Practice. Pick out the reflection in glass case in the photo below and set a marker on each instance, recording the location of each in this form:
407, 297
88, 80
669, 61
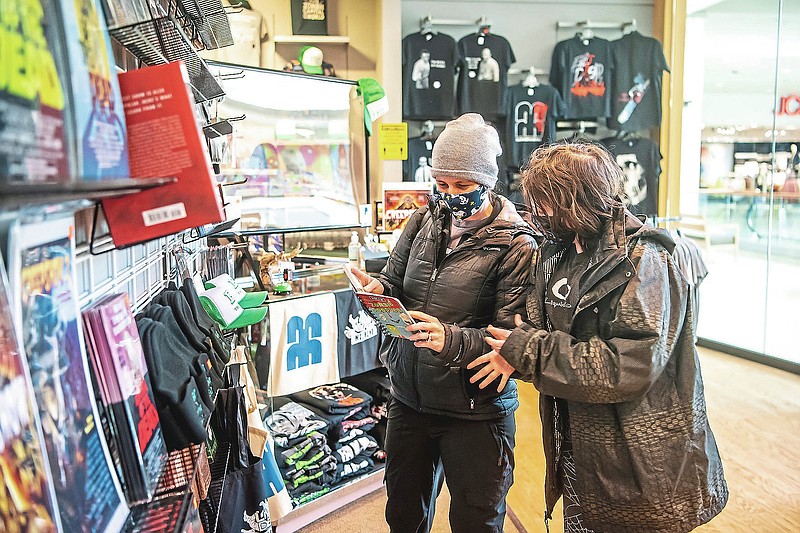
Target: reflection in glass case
301, 148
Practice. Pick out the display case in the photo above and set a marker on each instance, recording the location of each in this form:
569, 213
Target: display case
296, 158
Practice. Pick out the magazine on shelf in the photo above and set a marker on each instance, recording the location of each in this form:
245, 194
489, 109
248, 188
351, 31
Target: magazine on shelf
27, 499
101, 140
34, 137
164, 140
387, 311
121, 364
42, 271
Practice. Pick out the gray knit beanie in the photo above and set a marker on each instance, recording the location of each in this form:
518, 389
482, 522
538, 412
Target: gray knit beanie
467, 148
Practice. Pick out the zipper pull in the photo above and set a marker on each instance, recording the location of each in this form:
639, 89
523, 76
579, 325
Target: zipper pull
472, 403
433, 276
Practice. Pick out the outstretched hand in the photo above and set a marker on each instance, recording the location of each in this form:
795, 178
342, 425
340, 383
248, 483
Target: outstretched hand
495, 365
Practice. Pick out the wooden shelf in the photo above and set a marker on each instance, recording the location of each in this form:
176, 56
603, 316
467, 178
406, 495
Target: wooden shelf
311, 39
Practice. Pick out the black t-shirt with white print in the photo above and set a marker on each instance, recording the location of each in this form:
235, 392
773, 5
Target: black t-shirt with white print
418, 165
429, 69
563, 291
483, 74
636, 85
531, 114
640, 161
581, 70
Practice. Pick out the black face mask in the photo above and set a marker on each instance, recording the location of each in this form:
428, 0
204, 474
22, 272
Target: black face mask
543, 224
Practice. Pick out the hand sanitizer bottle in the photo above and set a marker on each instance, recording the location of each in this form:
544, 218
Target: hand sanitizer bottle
354, 249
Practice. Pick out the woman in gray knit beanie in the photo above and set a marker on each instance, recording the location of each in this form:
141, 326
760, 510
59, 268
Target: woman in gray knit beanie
462, 263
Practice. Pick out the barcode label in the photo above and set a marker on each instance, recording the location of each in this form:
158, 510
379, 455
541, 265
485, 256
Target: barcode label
160, 215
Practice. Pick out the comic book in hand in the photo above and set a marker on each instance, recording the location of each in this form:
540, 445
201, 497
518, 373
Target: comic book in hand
121, 360
42, 271
388, 312
164, 140
27, 500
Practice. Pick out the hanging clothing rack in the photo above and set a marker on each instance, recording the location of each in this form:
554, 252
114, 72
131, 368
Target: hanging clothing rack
596, 25
526, 70
428, 20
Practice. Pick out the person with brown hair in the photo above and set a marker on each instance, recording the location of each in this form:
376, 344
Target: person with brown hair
609, 344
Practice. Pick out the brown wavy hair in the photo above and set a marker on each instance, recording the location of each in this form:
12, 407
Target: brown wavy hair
580, 182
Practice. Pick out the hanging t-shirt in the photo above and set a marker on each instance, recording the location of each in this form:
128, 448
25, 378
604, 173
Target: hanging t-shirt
581, 70
636, 89
530, 120
249, 32
640, 161
429, 69
359, 336
418, 165
483, 74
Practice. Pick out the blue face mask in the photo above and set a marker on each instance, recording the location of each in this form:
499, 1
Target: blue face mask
464, 205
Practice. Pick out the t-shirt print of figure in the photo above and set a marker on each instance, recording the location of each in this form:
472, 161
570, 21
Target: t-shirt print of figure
587, 76
421, 72
488, 68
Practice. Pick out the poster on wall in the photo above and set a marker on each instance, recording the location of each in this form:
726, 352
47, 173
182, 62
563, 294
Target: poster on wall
26, 493
46, 311
400, 200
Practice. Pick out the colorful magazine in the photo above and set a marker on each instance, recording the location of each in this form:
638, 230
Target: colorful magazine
123, 363
33, 136
96, 101
27, 499
388, 312
88, 494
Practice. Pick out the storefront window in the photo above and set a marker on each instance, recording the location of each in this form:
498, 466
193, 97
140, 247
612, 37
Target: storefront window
740, 160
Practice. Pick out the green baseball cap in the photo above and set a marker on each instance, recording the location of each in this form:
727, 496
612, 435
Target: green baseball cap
376, 104
310, 58
245, 299
221, 305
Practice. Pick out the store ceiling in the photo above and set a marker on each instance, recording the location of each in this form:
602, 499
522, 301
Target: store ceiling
741, 42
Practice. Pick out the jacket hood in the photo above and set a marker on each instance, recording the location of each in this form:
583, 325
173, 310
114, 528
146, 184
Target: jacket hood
636, 228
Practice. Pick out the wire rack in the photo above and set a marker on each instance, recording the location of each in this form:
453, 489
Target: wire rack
210, 21
160, 40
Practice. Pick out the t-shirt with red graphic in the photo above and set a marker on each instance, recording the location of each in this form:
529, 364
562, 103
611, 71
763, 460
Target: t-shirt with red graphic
531, 114
483, 74
636, 86
581, 70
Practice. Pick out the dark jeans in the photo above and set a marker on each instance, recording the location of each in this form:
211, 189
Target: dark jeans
478, 461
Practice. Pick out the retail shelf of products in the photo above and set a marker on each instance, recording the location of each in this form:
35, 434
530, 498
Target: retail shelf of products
17, 195
312, 39
161, 40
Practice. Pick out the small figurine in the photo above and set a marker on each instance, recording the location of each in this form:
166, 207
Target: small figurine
277, 269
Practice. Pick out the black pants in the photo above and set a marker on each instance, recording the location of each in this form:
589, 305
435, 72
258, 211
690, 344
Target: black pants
477, 457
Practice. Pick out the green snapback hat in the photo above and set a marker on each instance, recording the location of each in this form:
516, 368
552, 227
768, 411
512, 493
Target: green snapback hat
310, 58
221, 305
245, 299
376, 104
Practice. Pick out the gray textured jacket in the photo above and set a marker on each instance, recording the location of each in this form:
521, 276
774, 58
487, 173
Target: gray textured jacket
483, 281
628, 375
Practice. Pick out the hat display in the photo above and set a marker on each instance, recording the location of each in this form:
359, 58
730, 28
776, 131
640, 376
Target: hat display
376, 104
310, 58
222, 305
245, 299
468, 148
